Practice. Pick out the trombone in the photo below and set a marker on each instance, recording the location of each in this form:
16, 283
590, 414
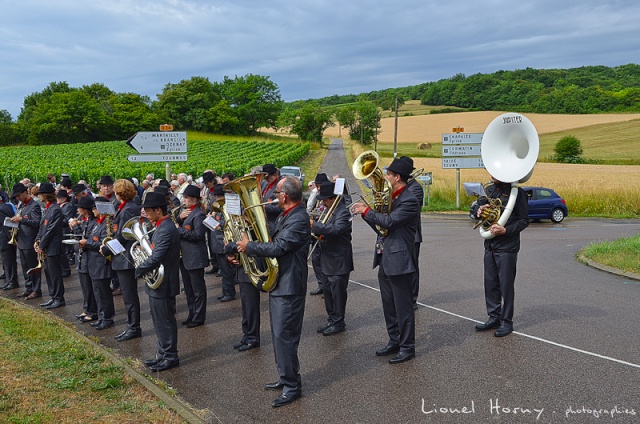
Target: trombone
324, 217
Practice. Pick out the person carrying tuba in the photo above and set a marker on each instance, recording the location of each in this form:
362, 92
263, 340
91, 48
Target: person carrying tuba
396, 261
162, 300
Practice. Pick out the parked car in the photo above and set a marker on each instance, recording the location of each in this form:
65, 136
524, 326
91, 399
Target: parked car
544, 203
294, 171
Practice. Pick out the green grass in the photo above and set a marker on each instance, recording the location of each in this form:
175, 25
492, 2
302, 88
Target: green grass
622, 253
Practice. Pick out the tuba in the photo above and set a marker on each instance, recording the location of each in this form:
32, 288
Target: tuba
141, 250
509, 149
253, 222
366, 167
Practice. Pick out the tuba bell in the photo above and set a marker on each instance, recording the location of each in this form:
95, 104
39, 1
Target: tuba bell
141, 250
366, 167
253, 222
509, 149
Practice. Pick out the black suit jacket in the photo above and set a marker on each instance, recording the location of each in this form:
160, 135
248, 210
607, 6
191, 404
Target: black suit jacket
128, 211
99, 266
6, 211
50, 233
31, 214
290, 246
336, 256
418, 192
193, 236
402, 222
166, 251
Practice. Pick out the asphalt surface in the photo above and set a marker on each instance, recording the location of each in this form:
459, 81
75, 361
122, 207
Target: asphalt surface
574, 355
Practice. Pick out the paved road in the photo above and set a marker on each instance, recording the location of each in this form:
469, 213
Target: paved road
575, 352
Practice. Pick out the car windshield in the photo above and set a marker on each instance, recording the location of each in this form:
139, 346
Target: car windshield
290, 171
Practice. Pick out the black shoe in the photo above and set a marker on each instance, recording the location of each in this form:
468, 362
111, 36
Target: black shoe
323, 327
128, 335
285, 399
316, 291
104, 325
96, 324
2, 277
504, 330
47, 303
194, 324
212, 270
332, 330
248, 346
66, 274
274, 386
493, 322
227, 298
237, 345
151, 362
164, 365
55, 304
187, 321
388, 350
401, 357
11, 287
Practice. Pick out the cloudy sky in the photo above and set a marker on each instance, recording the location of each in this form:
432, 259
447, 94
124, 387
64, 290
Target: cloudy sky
310, 49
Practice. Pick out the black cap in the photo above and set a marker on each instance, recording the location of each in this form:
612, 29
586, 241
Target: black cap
192, 191
269, 169
106, 180
86, 202
326, 190
321, 178
154, 200
46, 188
401, 167
17, 189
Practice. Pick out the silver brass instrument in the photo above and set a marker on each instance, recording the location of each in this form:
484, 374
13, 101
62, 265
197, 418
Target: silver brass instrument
252, 222
141, 250
366, 167
324, 217
509, 149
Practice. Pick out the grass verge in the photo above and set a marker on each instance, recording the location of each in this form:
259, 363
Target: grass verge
621, 253
48, 373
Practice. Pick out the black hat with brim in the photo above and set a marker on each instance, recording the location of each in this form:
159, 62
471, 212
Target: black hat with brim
17, 189
218, 190
269, 169
46, 188
154, 200
326, 190
321, 178
192, 191
86, 202
62, 194
401, 167
208, 177
106, 180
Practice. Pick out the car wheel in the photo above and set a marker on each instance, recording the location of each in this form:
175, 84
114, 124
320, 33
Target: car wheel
557, 215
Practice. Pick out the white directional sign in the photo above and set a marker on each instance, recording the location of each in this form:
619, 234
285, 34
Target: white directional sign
159, 142
462, 138
460, 163
461, 150
158, 158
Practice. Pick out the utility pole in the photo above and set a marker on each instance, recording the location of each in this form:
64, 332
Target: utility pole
395, 132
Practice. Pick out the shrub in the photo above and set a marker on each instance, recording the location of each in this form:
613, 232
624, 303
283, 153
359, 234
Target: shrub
568, 150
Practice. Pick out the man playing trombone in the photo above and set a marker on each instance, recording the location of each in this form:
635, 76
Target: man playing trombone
394, 255
336, 256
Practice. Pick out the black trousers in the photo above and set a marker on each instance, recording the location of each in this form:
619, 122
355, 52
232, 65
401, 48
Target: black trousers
499, 284
104, 299
415, 277
317, 269
250, 300
228, 280
28, 260
286, 314
129, 288
163, 315
88, 297
9, 260
53, 274
335, 298
397, 305
196, 292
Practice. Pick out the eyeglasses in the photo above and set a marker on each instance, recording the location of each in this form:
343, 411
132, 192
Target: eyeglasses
278, 192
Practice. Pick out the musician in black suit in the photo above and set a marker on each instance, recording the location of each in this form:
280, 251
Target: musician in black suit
315, 255
290, 246
217, 247
8, 251
87, 222
416, 189
162, 300
49, 243
250, 302
122, 264
336, 257
69, 212
194, 257
395, 258
209, 181
268, 188
28, 219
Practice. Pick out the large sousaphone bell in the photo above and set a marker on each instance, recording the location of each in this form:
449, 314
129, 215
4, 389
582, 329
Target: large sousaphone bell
510, 148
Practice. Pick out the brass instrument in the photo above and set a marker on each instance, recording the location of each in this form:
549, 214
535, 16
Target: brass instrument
109, 237
324, 217
366, 167
141, 250
175, 214
38, 268
14, 231
253, 222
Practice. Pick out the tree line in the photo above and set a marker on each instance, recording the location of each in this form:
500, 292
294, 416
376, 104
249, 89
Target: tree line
243, 105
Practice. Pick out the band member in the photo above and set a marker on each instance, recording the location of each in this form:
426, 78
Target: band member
290, 246
88, 221
209, 181
268, 191
395, 258
194, 257
162, 300
315, 255
336, 257
250, 302
123, 264
217, 247
501, 257
68, 213
28, 220
107, 189
100, 270
416, 189
49, 244
8, 251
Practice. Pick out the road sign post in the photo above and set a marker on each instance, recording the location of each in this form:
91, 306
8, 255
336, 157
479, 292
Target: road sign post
165, 145
461, 150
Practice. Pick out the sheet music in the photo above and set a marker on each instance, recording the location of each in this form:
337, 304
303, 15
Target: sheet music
474, 189
211, 223
116, 247
232, 204
339, 188
8, 223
